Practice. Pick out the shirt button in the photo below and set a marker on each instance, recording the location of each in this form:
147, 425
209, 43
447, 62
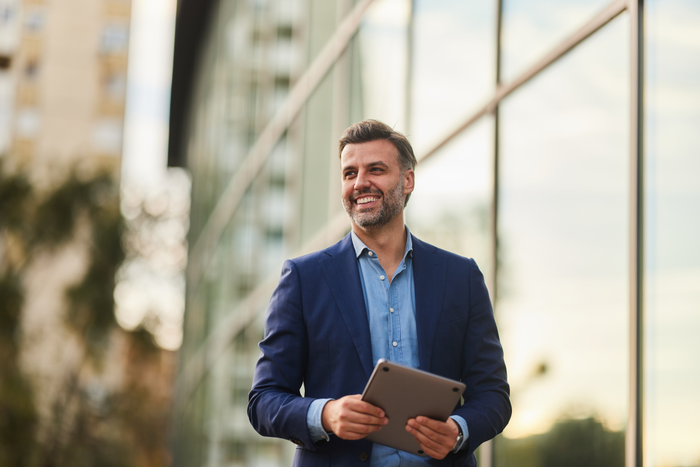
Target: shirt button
391, 309
381, 277
394, 344
370, 253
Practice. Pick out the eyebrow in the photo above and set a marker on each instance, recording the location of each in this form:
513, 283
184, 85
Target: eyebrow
371, 164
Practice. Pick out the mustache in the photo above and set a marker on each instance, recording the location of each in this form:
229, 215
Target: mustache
367, 191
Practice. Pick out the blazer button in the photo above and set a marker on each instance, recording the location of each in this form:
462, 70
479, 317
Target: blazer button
363, 456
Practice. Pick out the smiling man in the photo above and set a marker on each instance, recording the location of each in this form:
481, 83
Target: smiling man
378, 293
368, 201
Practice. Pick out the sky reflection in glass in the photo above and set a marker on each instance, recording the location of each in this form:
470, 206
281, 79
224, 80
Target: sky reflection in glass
453, 66
533, 27
672, 298
383, 41
563, 277
450, 205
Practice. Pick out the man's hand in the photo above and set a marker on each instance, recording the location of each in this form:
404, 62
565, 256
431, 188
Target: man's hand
436, 438
351, 418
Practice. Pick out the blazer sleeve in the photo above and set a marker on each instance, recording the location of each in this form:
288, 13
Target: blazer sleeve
487, 407
275, 405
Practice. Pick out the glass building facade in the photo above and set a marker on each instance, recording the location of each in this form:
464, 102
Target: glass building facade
558, 146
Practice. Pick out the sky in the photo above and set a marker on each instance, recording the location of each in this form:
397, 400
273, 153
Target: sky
150, 287
148, 91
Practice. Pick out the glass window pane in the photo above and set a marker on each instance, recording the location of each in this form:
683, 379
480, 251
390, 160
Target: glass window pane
383, 53
315, 170
453, 69
533, 27
562, 300
452, 200
672, 261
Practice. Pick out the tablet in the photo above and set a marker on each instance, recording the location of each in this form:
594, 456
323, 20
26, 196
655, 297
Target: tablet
404, 392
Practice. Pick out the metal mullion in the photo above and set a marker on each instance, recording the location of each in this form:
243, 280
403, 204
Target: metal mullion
488, 449
634, 433
601, 19
410, 48
496, 160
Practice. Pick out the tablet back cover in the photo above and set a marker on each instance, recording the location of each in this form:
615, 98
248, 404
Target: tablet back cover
404, 392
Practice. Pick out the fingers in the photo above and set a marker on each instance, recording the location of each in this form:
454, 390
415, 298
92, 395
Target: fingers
436, 438
359, 405
351, 418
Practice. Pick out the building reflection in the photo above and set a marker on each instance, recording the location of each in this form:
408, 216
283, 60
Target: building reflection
522, 117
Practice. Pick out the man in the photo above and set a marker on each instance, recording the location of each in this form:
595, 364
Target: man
378, 293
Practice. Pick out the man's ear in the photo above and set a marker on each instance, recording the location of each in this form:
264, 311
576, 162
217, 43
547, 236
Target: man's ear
409, 180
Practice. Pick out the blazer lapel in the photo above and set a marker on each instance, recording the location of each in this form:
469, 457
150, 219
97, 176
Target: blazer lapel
429, 278
343, 277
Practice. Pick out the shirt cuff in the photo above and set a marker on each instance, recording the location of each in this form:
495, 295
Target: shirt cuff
313, 420
465, 430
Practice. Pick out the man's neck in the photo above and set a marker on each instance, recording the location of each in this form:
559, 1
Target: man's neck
388, 242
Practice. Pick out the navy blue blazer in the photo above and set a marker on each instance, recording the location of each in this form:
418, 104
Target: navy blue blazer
317, 334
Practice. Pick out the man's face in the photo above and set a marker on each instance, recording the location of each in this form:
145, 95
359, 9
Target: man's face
374, 184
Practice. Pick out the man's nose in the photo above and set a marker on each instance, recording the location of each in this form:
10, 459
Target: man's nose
361, 181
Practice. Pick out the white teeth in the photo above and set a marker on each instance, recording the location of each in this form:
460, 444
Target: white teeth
366, 200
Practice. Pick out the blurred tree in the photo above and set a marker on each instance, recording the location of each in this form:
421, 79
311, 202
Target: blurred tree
93, 422
583, 442
571, 442
18, 417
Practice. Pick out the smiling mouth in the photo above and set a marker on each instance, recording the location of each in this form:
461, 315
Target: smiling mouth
366, 200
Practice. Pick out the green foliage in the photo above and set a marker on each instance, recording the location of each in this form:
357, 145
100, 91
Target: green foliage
95, 439
584, 442
58, 213
18, 417
91, 302
15, 196
10, 309
17, 413
571, 442
84, 429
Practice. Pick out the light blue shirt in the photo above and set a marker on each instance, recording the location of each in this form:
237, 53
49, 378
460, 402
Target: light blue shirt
391, 312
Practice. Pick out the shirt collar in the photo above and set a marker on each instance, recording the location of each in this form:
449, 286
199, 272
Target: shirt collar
360, 246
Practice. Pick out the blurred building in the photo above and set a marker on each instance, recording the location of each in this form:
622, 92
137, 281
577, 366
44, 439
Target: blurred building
63, 80
557, 145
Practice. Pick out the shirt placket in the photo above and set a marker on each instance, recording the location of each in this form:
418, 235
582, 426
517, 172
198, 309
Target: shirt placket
386, 286
395, 316
395, 324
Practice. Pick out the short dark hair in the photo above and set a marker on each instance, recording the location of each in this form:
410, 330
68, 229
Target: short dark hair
373, 130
